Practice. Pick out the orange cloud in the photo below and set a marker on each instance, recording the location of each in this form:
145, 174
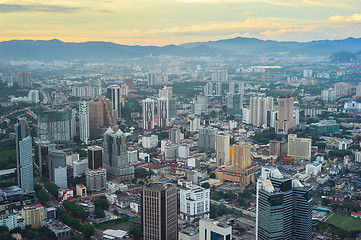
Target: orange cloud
353, 18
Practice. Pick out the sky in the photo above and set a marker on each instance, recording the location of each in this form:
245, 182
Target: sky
162, 22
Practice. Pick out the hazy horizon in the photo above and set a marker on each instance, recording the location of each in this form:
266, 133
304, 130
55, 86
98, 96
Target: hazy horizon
161, 22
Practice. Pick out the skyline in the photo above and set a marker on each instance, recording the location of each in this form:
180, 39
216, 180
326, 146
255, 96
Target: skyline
160, 22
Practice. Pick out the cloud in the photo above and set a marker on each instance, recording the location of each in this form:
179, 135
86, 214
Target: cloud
346, 4
353, 18
9, 8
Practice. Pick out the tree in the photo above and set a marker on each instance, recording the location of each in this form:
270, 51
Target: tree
212, 175
87, 230
99, 213
206, 185
101, 203
136, 232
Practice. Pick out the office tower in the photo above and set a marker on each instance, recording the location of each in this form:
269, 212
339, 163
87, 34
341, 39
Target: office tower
23, 79
328, 95
234, 103
175, 135
41, 152
24, 157
95, 157
163, 112
207, 139
79, 167
84, 121
275, 148
285, 122
194, 201
258, 110
159, 208
195, 124
241, 155
33, 215
208, 89
220, 76
222, 149
172, 107
115, 159
271, 118
57, 166
203, 101
307, 73
218, 89
57, 125
114, 95
130, 83
166, 92
148, 114
284, 207
100, 115
299, 148
34, 96
232, 87
211, 229
358, 90
342, 89
96, 179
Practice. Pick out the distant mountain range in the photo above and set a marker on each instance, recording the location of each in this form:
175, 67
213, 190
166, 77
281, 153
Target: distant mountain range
102, 51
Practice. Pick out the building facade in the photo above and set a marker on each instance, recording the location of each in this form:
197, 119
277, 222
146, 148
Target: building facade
84, 122
148, 114
286, 121
163, 112
96, 179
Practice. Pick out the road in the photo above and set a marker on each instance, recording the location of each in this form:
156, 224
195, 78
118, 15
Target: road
245, 212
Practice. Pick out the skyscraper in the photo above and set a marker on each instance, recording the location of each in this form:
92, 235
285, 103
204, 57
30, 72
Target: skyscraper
258, 110
148, 114
207, 139
115, 156
84, 121
222, 149
241, 155
114, 95
166, 92
24, 79
95, 157
100, 115
57, 166
342, 89
284, 207
160, 217
57, 125
24, 156
285, 120
163, 112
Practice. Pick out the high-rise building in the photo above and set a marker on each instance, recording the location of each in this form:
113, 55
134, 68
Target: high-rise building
234, 103
241, 156
194, 201
148, 114
24, 156
172, 107
100, 115
328, 95
208, 89
41, 155
95, 157
115, 159
285, 119
96, 179
130, 83
33, 215
160, 217
207, 139
114, 95
163, 112
57, 166
358, 90
175, 135
84, 122
195, 124
57, 125
232, 87
299, 148
24, 79
342, 89
220, 76
213, 89
166, 92
211, 229
34, 96
258, 110
222, 149
284, 207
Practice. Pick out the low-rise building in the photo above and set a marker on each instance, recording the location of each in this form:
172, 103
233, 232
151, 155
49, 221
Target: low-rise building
58, 228
12, 220
210, 229
314, 168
